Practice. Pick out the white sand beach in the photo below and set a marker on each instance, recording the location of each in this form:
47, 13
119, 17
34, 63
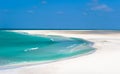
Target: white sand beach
106, 59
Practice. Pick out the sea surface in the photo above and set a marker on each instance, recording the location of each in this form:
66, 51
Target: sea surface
19, 47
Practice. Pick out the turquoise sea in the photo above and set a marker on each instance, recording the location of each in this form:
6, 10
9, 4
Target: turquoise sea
16, 47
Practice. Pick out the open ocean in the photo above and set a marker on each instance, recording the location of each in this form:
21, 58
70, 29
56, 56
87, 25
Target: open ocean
17, 48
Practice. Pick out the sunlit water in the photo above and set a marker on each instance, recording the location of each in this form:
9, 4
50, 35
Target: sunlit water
16, 48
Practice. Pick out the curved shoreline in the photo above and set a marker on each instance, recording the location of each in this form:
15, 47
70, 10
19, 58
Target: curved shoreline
103, 61
87, 44
15, 66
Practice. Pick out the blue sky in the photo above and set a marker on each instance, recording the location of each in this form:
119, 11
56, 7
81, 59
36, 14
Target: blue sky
60, 14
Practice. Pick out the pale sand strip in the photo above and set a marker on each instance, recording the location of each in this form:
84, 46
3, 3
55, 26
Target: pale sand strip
104, 61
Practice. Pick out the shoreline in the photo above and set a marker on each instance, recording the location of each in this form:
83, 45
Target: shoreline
103, 61
21, 65
26, 64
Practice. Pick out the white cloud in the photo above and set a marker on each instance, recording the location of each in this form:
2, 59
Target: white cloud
96, 6
102, 7
44, 2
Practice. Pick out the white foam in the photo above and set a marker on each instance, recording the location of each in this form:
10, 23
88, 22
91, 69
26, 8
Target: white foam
32, 49
71, 46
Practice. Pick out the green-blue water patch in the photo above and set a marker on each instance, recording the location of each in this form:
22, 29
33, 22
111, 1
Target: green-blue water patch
16, 48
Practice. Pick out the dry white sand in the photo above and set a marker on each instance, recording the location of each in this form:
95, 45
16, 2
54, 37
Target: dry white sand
106, 60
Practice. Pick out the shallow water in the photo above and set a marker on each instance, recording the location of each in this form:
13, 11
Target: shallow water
17, 48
